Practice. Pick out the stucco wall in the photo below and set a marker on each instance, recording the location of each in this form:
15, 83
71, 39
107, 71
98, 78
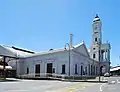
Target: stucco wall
58, 59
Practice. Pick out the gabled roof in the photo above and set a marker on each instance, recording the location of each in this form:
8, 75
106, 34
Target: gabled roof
85, 48
60, 50
47, 52
25, 53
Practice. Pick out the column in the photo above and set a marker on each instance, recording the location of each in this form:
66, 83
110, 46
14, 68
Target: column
105, 57
108, 55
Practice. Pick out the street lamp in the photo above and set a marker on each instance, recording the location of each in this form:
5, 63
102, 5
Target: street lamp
69, 55
99, 48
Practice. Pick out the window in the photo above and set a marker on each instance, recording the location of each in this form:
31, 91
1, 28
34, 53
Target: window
96, 32
53, 70
27, 70
81, 70
75, 68
95, 39
93, 48
85, 70
89, 68
63, 69
93, 55
96, 70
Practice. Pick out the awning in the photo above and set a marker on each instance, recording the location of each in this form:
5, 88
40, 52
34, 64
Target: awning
6, 67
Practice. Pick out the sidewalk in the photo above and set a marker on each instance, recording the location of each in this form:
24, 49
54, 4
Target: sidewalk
96, 80
9, 80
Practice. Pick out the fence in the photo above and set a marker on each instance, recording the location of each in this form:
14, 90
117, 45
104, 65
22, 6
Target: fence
54, 76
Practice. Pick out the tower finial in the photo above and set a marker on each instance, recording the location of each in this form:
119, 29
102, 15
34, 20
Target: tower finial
96, 16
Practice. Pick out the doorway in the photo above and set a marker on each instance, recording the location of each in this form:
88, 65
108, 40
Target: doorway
37, 70
49, 69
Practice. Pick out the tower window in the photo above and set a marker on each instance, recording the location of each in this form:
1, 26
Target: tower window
93, 48
96, 39
93, 55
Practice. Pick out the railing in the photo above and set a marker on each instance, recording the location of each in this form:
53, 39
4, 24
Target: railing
55, 76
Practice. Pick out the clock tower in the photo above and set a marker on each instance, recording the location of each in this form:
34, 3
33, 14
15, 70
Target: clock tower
97, 46
96, 38
97, 35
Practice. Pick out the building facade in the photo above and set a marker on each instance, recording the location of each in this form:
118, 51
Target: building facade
75, 60
58, 62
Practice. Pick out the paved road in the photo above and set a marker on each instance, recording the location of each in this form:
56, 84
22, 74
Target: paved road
42, 86
113, 85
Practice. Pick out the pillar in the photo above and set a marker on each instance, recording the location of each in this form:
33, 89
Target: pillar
4, 64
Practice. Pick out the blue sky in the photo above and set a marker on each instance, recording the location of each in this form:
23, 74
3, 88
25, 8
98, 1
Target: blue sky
43, 24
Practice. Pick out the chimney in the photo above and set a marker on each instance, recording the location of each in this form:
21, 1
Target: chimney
71, 35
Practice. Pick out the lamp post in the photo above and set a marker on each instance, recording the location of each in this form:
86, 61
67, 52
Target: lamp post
69, 56
99, 49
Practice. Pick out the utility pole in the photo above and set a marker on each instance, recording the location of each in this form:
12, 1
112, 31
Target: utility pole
69, 56
99, 48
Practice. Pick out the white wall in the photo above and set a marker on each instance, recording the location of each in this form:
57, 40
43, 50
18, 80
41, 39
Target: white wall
82, 60
58, 59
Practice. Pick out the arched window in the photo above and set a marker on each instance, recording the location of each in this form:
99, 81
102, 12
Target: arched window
89, 68
27, 70
63, 69
76, 69
94, 55
96, 70
86, 70
81, 70
95, 39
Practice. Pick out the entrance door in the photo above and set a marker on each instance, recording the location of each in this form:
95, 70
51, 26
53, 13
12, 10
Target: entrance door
49, 68
37, 70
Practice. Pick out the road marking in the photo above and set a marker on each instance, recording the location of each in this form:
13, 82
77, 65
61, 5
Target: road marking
17, 90
102, 86
75, 87
118, 81
113, 82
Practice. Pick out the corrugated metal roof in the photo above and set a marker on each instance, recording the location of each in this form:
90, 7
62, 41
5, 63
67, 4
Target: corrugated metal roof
55, 50
19, 53
115, 69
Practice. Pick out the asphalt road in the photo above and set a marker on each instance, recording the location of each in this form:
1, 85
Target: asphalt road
42, 86
113, 85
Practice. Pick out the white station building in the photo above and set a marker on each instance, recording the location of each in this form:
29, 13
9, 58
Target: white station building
70, 60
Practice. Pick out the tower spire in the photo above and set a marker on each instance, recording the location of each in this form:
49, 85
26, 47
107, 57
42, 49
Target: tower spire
96, 16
